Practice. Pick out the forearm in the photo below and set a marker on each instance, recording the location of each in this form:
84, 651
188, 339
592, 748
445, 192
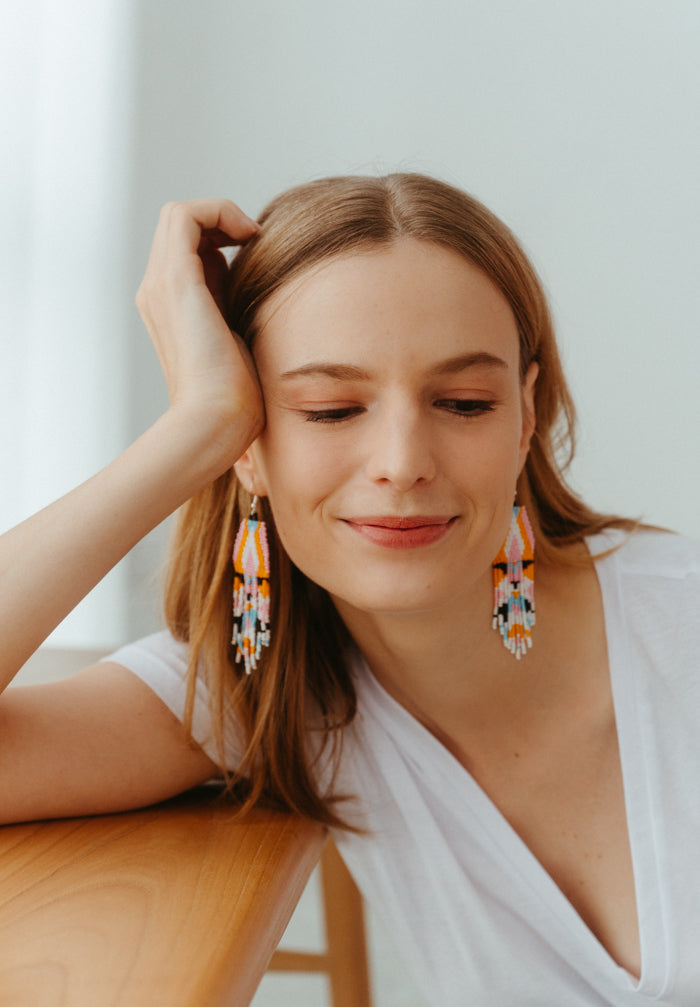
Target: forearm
52, 560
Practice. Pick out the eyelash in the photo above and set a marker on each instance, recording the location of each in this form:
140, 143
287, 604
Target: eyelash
468, 407
465, 408
331, 415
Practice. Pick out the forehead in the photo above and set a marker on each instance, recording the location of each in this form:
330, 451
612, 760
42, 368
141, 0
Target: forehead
411, 301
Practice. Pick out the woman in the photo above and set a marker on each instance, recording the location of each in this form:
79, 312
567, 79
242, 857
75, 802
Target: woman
525, 825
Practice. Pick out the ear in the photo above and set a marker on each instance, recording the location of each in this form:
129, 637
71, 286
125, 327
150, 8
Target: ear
248, 473
527, 399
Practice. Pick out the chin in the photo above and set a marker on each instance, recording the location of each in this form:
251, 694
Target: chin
399, 602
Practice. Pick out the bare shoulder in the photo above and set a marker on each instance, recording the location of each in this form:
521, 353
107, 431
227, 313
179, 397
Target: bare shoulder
97, 742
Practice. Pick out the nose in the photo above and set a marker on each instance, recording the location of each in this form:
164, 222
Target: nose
400, 451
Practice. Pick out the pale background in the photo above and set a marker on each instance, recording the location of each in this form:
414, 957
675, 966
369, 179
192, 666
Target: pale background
575, 120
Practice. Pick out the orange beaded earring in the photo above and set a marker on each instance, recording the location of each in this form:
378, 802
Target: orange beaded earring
251, 590
514, 585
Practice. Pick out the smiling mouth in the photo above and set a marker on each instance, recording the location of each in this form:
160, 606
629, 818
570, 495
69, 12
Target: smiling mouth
402, 532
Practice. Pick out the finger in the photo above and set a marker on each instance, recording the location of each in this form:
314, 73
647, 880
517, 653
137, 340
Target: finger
219, 239
187, 221
181, 229
215, 273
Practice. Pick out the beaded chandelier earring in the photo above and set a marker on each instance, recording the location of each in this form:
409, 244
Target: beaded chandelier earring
514, 585
251, 590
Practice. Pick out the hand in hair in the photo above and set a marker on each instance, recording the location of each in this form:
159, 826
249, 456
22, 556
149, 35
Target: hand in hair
52, 560
208, 370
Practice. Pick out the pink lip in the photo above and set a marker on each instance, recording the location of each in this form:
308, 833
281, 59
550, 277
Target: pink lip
402, 532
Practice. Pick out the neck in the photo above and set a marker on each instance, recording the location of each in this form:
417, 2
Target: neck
432, 660
450, 665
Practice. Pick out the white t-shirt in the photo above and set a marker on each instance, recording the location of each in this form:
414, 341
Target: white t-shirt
479, 919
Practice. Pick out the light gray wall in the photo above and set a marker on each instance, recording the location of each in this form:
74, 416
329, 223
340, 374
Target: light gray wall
576, 122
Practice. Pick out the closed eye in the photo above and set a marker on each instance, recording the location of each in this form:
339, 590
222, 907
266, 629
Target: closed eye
466, 407
331, 415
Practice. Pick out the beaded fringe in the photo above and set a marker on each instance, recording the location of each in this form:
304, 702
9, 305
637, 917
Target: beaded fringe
251, 593
514, 585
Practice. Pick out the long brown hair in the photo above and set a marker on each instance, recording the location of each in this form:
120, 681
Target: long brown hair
301, 695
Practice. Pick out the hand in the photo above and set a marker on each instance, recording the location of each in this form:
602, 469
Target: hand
208, 370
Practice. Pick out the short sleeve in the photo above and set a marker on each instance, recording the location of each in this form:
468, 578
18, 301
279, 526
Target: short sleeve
160, 661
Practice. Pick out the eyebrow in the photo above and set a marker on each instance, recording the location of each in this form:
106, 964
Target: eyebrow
348, 372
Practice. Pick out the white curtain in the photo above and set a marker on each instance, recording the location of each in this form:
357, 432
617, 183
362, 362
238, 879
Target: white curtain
65, 69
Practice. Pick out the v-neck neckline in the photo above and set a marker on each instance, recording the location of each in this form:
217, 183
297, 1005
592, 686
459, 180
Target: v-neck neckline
520, 859
636, 781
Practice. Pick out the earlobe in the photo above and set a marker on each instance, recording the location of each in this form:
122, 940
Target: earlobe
246, 471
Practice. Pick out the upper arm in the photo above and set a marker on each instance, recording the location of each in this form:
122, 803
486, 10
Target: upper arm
97, 742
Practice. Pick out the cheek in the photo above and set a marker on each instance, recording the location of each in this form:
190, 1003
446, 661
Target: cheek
300, 470
489, 458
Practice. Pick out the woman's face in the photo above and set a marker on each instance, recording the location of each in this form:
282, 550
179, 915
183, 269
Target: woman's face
396, 428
